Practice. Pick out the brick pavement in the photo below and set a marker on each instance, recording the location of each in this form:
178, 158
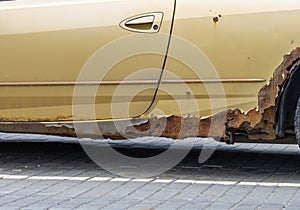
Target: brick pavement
61, 176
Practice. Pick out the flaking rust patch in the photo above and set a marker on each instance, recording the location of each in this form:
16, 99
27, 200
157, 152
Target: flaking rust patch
258, 123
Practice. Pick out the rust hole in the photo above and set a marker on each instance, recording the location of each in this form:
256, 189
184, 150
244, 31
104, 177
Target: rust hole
216, 19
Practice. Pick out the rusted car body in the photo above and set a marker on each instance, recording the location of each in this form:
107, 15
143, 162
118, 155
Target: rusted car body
251, 45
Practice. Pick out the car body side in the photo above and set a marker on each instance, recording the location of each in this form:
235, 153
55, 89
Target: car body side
244, 42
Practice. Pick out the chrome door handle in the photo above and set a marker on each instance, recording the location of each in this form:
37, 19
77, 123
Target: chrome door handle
144, 23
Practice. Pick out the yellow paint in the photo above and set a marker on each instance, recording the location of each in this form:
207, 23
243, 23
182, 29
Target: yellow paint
50, 40
249, 41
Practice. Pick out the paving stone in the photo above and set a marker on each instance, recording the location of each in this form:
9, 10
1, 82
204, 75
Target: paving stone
239, 163
23, 202
256, 197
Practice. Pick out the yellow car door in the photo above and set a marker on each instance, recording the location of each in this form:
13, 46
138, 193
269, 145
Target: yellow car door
45, 45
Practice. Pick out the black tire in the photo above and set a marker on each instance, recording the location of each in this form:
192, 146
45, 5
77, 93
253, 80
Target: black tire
297, 122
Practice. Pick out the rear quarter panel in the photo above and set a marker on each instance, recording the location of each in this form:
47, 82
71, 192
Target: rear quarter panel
244, 40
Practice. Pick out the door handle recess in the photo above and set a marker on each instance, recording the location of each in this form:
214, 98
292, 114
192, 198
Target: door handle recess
144, 23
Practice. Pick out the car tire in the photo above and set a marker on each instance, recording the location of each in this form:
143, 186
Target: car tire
297, 122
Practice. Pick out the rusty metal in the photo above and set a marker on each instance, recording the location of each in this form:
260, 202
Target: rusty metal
256, 125
216, 19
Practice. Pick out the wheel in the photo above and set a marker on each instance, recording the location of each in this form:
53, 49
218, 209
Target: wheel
297, 122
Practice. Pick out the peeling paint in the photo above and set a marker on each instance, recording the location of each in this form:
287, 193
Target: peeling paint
60, 126
257, 124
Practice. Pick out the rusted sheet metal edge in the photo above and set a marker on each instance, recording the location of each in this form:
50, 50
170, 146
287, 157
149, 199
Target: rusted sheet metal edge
257, 124
66, 130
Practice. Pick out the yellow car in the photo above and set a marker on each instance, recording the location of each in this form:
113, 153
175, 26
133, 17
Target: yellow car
173, 68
